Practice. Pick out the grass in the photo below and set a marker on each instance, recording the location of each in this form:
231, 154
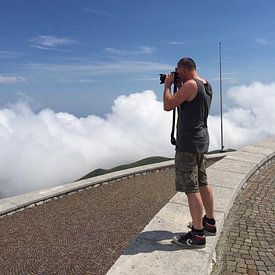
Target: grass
150, 160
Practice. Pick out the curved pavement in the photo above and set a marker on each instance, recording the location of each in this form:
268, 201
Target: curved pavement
247, 241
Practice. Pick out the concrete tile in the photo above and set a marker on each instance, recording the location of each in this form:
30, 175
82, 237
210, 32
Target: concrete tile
236, 166
179, 198
171, 220
258, 159
225, 179
223, 199
257, 149
145, 257
6, 207
25, 199
52, 191
218, 155
268, 143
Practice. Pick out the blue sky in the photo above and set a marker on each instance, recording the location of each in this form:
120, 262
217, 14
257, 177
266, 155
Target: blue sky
75, 75
78, 56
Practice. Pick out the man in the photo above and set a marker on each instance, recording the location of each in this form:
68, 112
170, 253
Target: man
193, 100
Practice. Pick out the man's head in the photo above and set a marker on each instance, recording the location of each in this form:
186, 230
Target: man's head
186, 68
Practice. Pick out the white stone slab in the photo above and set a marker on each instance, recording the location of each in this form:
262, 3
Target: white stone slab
257, 149
223, 199
258, 159
25, 199
52, 191
225, 179
171, 220
179, 198
235, 166
153, 253
268, 143
6, 207
155, 258
218, 155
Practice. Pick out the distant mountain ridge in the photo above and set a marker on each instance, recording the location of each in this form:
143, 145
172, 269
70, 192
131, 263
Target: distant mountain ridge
101, 171
149, 160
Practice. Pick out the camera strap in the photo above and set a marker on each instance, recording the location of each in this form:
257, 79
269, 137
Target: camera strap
172, 136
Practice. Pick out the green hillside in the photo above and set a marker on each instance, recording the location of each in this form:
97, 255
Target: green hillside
145, 161
150, 160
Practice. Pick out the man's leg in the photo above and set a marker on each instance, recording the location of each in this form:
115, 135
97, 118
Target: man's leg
187, 181
207, 200
205, 190
187, 174
196, 209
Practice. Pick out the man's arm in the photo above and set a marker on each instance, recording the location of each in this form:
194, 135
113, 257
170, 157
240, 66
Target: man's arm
188, 91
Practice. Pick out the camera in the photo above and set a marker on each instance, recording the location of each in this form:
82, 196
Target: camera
176, 77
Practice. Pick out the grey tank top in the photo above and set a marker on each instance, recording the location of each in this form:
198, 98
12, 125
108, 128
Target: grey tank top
192, 132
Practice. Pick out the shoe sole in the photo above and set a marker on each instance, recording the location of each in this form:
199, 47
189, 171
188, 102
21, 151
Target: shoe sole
193, 246
209, 234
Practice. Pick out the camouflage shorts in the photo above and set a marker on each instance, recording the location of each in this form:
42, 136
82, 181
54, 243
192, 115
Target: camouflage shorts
190, 172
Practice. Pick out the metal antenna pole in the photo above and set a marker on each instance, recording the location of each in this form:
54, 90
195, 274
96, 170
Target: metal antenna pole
220, 50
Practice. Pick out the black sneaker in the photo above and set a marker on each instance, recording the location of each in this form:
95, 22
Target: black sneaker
190, 240
209, 229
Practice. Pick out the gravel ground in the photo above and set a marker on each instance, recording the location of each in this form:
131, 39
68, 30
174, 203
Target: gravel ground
83, 233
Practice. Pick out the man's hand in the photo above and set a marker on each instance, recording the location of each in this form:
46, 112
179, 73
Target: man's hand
169, 80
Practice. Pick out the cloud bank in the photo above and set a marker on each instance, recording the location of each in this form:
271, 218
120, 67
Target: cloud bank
249, 117
48, 148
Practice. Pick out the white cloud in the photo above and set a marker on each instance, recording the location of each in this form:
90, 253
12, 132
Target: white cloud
63, 80
250, 118
176, 43
51, 42
139, 50
262, 41
11, 79
231, 78
99, 68
97, 12
48, 148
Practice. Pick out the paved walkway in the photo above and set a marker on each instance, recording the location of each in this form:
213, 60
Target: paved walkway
83, 233
247, 242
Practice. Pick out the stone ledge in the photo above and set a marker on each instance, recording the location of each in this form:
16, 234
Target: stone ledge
11, 204
14, 203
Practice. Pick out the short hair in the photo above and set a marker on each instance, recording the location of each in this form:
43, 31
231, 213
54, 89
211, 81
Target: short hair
188, 63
